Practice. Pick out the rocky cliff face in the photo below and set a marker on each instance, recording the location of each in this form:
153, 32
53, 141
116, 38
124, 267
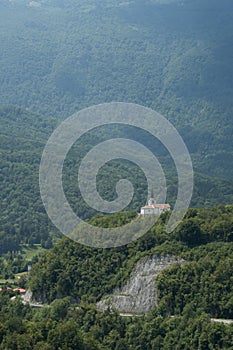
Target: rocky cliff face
139, 294
28, 296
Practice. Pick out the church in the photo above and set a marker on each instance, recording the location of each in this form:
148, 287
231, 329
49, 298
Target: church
154, 208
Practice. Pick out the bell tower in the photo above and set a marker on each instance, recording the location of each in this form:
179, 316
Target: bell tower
152, 201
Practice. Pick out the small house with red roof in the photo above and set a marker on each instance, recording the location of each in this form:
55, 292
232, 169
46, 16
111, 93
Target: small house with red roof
20, 290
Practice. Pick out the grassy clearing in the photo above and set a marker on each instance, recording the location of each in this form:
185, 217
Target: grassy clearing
6, 281
31, 252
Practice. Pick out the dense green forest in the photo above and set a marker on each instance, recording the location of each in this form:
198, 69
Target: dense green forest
23, 219
57, 57
70, 269
73, 277
173, 56
63, 327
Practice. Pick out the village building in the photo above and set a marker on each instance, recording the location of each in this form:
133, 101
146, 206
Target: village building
154, 208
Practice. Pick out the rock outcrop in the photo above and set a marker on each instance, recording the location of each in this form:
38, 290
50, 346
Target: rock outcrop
28, 296
139, 294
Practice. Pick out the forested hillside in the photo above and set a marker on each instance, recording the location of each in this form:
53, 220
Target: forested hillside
58, 57
190, 294
64, 327
174, 56
22, 139
204, 239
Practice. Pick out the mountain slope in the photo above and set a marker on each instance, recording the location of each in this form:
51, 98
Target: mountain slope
203, 243
23, 219
22, 139
174, 56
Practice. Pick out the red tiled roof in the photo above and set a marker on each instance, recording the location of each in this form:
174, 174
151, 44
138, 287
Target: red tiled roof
155, 206
21, 290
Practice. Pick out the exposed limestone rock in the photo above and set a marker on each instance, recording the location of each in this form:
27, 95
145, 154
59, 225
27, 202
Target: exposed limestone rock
139, 294
28, 296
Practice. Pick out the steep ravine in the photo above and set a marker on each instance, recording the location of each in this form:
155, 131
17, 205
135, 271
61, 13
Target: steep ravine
139, 294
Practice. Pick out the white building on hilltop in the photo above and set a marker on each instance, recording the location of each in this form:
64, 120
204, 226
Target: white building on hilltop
154, 208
